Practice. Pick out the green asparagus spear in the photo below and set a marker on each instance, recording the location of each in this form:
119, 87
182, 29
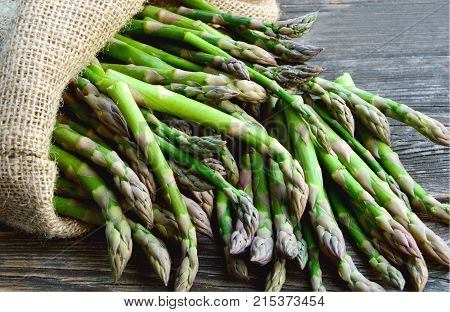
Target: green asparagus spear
388, 272
290, 76
313, 259
125, 179
71, 189
78, 127
205, 199
198, 217
166, 224
206, 93
420, 199
188, 179
429, 127
277, 276
73, 208
302, 256
418, 272
117, 230
121, 94
236, 267
236, 48
261, 249
331, 240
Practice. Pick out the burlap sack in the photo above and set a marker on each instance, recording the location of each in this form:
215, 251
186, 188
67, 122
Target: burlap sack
47, 43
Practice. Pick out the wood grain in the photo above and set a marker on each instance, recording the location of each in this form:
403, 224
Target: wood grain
396, 48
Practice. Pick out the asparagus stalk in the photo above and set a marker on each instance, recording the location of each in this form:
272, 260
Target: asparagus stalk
103, 107
73, 208
167, 58
313, 259
236, 267
117, 230
394, 233
331, 240
334, 104
200, 4
429, 127
292, 28
204, 146
205, 199
71, 189
361, 150
236, 48
155, 250
261, 250
231, 66
166, 224
124, 146
230, 165
286, 242
125, 179
290, 76
418, 272
429, 242
302, 256
277, 276
198, 217
367, 114
81, 129
420, 199
206, 93
121, 94
287, 50
240, 238
160, 99
247, 91
388, 272
188, 179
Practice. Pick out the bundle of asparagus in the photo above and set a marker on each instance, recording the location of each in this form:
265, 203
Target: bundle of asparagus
162, 181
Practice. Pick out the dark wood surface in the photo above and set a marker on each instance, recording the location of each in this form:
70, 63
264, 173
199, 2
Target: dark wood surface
396, 48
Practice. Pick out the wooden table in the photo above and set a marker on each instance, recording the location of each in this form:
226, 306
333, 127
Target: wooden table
397, 48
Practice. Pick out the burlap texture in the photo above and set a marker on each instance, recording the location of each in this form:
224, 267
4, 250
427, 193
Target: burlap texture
266, 10
46, 44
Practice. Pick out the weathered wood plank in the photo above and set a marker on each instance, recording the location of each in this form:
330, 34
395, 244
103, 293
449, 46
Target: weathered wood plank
357, 35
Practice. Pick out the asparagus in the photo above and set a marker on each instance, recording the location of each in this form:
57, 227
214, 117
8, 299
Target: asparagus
236, 267
388, 272
165, 223
387, 252
240, 238
286, 243
292, 28
418, 272
287, 50
261, 250
420, 199
367, 114
231, 66
429, 127
331, 240
313, 259
236, 48
247, 91
361, 150
121, 94
154, 249
160, 99
125, 179
127, 148
394, 233
429, 242
355, 280
200, 4
302, 256
237, 112
208, 93
205, 199
166, 58
71, 189
203, 146
230, 165
73, 208
90, 133
188, 179
103, 107
276, 277
117, 230
334, 104
290, 76
198, 217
